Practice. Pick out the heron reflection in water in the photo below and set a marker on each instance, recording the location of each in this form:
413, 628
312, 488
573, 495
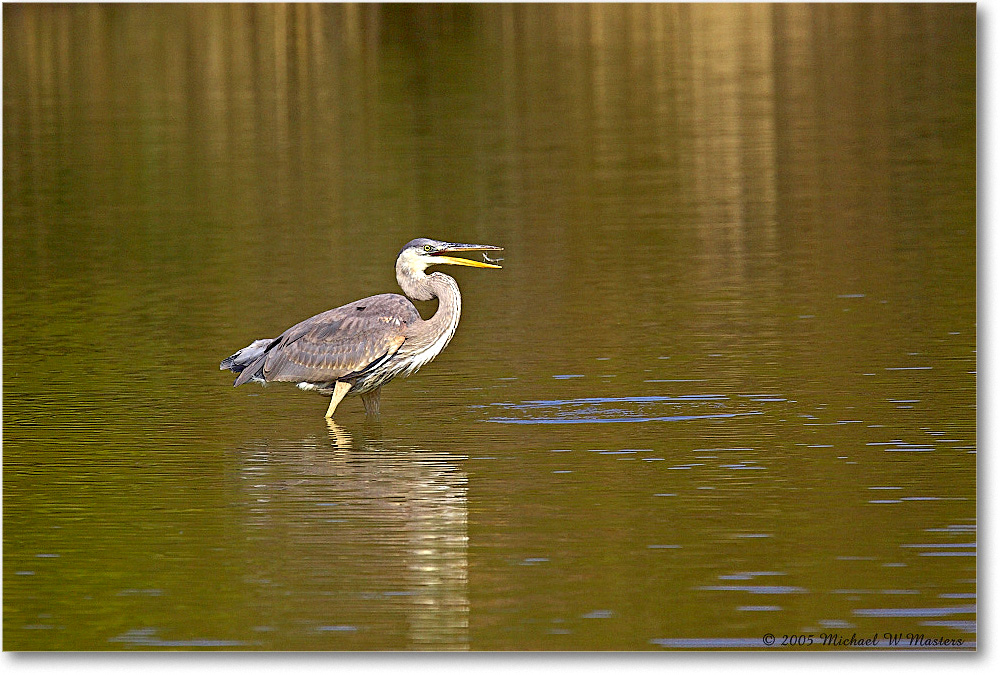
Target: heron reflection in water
357, 348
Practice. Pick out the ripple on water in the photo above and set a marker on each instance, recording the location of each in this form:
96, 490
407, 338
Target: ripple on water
747, 576
596, 410
708, 643
894, 612
964, 626
147, 637
757, 590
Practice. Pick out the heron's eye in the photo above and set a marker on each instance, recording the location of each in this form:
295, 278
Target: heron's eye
428, 248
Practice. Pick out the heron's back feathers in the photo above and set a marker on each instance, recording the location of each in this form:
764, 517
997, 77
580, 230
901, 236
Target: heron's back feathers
337, 344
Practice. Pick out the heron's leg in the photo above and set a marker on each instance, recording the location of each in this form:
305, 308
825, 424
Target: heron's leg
371, 401
341, 439
339, 392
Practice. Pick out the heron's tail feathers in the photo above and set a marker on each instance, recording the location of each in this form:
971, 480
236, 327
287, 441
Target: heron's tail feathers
244, 357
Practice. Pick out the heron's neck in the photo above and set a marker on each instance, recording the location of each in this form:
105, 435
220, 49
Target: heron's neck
431, 336
420, 286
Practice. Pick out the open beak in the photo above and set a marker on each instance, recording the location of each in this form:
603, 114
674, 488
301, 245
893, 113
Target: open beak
441, 258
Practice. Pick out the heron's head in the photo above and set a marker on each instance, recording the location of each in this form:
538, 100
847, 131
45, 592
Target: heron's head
420, 254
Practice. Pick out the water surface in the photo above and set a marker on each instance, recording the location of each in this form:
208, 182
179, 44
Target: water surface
725, 384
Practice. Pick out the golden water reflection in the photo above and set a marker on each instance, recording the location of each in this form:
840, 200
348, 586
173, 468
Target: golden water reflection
379, 532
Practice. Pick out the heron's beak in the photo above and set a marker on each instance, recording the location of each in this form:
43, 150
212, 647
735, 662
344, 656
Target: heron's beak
440, 258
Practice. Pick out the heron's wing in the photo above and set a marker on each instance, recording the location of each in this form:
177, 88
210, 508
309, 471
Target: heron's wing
341, 341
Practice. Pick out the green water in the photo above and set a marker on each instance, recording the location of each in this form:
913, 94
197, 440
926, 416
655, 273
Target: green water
724, 386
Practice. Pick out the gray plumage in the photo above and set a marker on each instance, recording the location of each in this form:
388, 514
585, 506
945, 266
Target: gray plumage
241, 359
366, 343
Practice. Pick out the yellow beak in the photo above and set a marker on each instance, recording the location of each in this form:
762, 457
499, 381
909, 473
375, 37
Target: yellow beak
448, 260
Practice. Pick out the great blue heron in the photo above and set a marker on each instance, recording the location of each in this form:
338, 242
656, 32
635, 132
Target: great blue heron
356, 348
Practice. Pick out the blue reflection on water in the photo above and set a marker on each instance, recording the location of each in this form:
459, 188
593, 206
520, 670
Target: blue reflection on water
597, 410
146, 637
